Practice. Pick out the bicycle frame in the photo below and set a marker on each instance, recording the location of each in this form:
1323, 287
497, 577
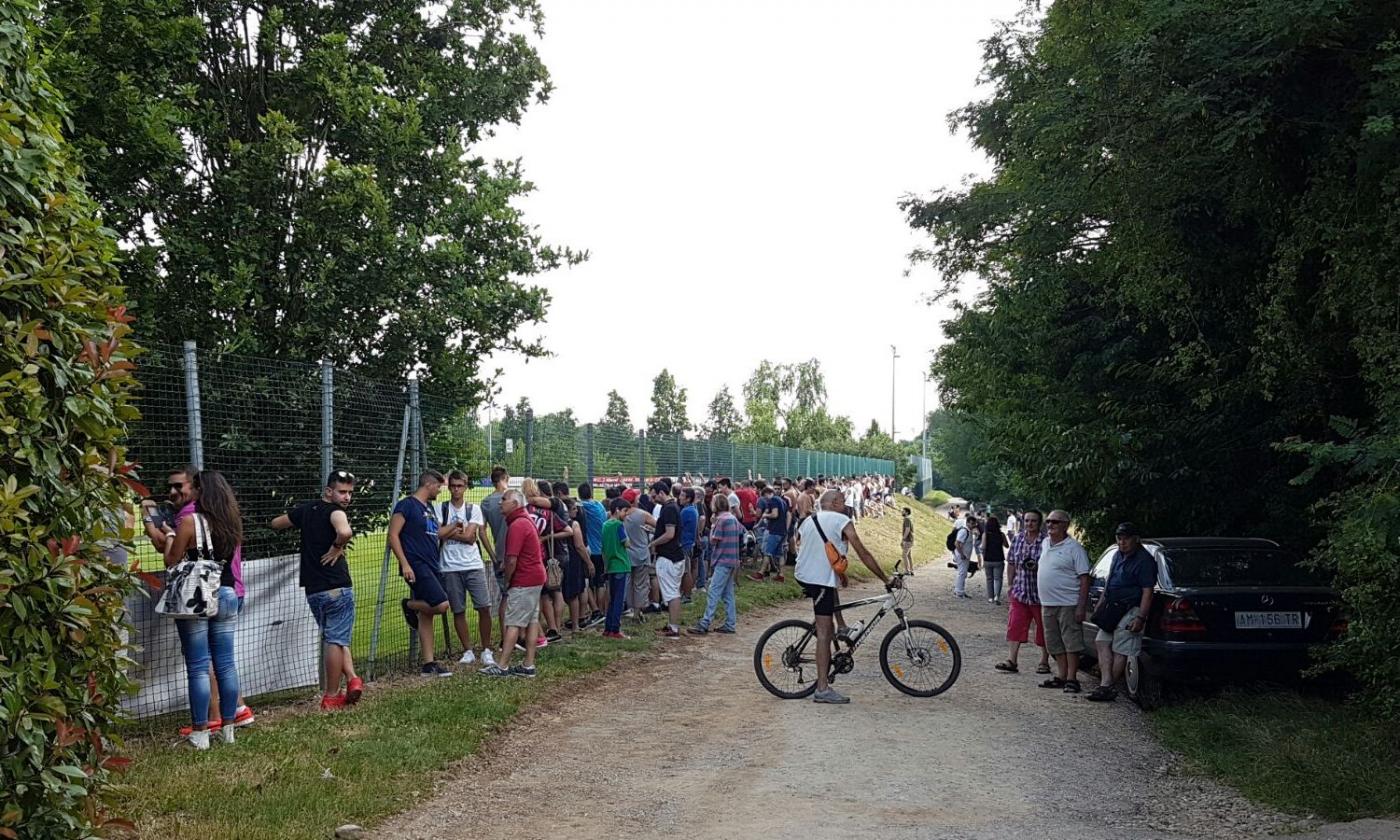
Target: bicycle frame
895, 602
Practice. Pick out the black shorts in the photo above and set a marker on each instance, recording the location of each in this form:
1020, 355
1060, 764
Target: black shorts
824, 600
600, 573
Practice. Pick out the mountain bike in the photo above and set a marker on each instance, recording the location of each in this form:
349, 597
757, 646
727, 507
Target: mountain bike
918, 657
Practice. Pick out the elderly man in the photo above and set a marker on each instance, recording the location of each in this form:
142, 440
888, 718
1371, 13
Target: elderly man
525, 576
1063, 582
819, 581
1121, 613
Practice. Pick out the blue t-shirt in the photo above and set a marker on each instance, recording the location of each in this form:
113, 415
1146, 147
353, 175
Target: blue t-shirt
593, 518
419, 534
690, 523
1133, 572
777, 527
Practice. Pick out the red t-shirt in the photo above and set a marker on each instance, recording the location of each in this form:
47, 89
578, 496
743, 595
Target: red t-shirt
748, 505
523, 543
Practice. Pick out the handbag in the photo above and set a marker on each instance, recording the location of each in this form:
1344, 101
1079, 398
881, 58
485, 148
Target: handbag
553, 573
837, 560
192, 585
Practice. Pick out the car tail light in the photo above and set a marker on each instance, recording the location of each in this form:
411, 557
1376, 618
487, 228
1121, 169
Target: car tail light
1180, 617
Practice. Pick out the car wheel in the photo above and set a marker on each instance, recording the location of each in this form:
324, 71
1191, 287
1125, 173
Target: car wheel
1145, 686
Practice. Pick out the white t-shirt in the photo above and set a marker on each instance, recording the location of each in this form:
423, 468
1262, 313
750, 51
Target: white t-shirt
1059, 571
459, 556
812, 565
966, 540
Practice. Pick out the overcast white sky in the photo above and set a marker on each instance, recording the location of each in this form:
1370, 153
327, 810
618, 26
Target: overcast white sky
733, 169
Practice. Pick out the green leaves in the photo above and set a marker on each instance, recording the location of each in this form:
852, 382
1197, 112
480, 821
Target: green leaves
65, 383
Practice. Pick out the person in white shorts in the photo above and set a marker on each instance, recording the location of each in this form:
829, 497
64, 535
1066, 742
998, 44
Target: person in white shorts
670, 557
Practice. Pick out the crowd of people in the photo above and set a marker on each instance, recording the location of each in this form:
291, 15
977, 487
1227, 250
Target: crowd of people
534, 562
1044, 572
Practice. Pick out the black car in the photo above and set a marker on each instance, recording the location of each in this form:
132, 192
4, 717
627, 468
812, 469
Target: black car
1224, 610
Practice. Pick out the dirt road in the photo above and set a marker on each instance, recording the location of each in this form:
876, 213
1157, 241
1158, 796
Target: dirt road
686, 744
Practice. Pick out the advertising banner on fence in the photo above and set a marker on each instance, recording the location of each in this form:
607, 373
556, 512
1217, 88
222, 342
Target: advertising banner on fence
276, 641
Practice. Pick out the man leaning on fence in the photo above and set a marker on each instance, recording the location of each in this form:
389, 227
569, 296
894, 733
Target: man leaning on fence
413, 537
325, 575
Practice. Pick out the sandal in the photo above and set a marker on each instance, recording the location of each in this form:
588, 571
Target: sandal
1042, 669
1008, 666
1072, 687
1103, 694
1053, 682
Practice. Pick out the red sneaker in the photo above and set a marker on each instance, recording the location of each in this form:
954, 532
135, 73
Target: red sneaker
757, 577
780, 578
331, 702
214, 726
243, 718
354, 689
620, 636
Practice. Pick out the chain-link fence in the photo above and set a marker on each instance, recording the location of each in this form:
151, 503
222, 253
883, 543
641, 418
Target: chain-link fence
275, 429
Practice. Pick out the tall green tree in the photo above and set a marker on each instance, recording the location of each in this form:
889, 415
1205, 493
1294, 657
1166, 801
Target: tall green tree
668, 407
617, 414
724, 420
1191, 265
298, 180
65, 482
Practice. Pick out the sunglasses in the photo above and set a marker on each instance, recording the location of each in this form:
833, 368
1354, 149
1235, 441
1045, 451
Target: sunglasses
175, 485
343, 475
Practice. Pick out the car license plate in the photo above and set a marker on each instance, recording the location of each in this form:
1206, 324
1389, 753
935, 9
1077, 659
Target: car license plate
1268, 621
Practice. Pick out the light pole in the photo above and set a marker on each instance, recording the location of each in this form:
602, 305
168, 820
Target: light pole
926, 377
894, 354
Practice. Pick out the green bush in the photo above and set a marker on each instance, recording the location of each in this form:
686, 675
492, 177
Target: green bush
65, 380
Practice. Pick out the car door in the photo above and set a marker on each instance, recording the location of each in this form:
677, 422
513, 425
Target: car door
1098, 582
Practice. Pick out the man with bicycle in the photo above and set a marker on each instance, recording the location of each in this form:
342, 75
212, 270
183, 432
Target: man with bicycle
819, 581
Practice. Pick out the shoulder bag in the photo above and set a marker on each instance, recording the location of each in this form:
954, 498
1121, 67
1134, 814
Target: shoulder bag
838, 561
192, 585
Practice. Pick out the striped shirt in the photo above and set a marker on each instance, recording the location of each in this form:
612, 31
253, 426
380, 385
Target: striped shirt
1023, 585
726, 535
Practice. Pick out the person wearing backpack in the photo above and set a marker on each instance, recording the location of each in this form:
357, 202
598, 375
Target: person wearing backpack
963, 539
463, 571
213, 533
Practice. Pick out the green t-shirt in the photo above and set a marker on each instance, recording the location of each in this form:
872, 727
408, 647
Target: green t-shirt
614, 549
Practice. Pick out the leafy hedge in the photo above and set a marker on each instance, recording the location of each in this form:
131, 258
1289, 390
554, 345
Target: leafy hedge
65, 383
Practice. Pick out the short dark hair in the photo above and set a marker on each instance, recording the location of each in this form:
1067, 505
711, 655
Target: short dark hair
498, 473
725, 482
765, 490
688, 493
560, 488
585, 490
619, 504
660, 486
612, 492
907, 511
430, 475
335, 477
458, 475
808, 484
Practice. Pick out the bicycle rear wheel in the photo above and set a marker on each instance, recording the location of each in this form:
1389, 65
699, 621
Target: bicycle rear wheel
922, 660
785, 659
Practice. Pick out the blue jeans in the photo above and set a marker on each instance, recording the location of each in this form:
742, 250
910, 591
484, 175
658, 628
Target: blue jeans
721, 586
201, 639
618, 584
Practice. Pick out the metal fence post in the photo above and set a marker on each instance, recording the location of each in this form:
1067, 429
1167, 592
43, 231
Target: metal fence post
195, 423
384, 569
327, 418
588, 442
642, 457
530, 442
416, 461
710, 457
680, 459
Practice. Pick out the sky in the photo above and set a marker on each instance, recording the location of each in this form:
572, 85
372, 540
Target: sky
733, 170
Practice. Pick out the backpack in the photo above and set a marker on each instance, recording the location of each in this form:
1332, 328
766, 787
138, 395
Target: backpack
952, 541
446, 508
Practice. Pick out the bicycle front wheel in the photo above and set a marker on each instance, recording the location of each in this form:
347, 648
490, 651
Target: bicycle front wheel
785, 659
921, 659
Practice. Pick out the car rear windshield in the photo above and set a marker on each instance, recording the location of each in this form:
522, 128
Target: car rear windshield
1238, 567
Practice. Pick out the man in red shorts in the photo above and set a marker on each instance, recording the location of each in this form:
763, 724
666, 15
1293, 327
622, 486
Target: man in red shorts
1021, 564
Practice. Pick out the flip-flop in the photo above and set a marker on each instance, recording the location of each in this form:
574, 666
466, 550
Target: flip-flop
1008, 666
1053, 682
1042, 669
1103, 694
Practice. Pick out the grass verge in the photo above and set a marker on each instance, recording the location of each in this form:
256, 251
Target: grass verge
1296, 753
301, 774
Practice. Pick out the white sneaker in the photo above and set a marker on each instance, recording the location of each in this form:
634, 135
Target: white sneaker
196, 740
227, 734
487, 660
468, 658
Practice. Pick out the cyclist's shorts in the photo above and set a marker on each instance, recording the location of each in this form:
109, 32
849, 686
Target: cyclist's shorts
823, 598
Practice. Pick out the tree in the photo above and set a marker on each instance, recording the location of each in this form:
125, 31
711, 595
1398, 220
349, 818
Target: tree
64, 401
724, 419
617, 414
297, 181
668, 410
1192, 305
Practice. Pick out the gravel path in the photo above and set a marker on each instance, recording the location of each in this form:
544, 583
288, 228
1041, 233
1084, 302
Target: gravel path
686, 743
